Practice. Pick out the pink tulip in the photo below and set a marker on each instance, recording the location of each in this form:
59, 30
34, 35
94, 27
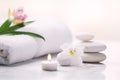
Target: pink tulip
19, 15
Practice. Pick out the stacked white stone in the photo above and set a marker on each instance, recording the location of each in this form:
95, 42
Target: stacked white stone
92, 50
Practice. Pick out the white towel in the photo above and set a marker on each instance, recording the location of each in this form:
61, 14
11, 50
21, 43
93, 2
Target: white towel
55, 33
23, 47
16, 48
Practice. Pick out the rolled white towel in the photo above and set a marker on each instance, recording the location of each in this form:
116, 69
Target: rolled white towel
55, 33
16, 48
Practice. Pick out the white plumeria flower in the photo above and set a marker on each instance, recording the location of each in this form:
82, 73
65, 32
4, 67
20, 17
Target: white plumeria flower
71, 54
72, 48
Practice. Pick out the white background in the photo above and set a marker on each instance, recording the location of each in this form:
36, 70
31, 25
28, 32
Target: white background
100, 17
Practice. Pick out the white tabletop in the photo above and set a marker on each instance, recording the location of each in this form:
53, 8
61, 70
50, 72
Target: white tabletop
31, 69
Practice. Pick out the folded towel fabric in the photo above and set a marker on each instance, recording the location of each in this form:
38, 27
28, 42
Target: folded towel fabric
19, 48
55, 33
16, 48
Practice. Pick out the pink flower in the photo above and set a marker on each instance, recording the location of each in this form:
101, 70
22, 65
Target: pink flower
19, 15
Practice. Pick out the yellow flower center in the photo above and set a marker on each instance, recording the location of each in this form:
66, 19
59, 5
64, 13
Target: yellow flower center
72, 51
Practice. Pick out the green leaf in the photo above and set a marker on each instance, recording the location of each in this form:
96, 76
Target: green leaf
18, 26
28, 22
5, 25
25, 33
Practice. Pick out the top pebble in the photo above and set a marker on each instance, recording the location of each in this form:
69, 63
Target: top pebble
85, 36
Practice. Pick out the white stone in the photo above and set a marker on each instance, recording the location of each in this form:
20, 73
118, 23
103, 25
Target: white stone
93, 46
63, 59
93, 57
84, 36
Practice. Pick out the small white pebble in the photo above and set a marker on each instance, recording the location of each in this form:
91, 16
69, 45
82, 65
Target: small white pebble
84, 36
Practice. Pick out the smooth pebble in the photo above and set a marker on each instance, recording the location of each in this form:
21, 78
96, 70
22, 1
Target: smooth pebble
92, 46
84, 36
93, 57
